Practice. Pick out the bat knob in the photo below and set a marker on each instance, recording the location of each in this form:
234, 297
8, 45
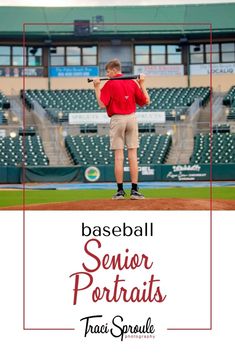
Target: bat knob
89, 80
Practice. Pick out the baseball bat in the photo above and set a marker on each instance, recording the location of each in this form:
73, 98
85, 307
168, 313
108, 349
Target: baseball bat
127, 77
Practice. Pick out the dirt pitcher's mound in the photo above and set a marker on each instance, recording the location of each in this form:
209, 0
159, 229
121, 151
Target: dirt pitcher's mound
146, 204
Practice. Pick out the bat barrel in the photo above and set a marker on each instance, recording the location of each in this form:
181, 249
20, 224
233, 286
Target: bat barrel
126, 77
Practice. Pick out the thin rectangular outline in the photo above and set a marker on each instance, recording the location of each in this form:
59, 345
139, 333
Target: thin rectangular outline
23, 169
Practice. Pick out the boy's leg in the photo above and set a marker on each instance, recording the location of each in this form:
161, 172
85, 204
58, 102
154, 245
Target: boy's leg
117, 136
118, 165
118, 171
133, 164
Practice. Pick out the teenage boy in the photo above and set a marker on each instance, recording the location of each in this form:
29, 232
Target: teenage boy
120, 97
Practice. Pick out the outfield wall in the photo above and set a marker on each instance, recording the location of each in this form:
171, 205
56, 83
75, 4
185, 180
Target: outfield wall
92, 174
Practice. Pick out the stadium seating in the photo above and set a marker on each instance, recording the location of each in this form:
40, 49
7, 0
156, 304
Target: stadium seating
4, 102
59, 103
12, 149
3, 119
90, 150
154, 149
223, 148
4, 105
229, 101
178, 99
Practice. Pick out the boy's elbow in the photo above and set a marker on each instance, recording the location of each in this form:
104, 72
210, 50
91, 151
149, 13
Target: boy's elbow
101, 105
148, 101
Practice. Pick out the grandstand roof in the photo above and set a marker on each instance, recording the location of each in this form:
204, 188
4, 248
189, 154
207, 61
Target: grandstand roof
119, 21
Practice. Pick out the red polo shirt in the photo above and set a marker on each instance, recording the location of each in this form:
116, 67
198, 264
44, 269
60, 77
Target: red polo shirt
121, 96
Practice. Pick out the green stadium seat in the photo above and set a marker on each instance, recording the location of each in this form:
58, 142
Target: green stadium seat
221, 146
12, 148
229, 101
85, 150
57, 102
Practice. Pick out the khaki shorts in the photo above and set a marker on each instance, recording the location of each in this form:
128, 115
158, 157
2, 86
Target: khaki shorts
123, 131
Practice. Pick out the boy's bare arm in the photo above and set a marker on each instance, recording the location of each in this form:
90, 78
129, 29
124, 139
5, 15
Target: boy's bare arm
143, 88
96, 83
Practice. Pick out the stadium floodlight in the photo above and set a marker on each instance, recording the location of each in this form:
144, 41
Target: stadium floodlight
170, 132
6, 115
15, 119
173, 113
227, 111
12, 134
60, 115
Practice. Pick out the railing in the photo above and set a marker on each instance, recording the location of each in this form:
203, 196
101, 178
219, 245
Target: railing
194, 109
218, 110
39, 110
16, 106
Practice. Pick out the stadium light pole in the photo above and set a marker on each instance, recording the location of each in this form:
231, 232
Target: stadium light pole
50, 50
188, 66
49, 68
184, 48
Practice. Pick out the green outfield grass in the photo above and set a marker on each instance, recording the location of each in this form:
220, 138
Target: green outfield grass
15, 197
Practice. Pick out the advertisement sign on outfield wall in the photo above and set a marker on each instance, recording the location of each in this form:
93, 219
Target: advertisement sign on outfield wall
217, 69
92, 174
159, 70
185, 172
20, 72
74, 71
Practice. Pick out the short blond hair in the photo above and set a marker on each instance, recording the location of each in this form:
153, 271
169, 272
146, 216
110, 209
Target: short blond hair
113, 64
